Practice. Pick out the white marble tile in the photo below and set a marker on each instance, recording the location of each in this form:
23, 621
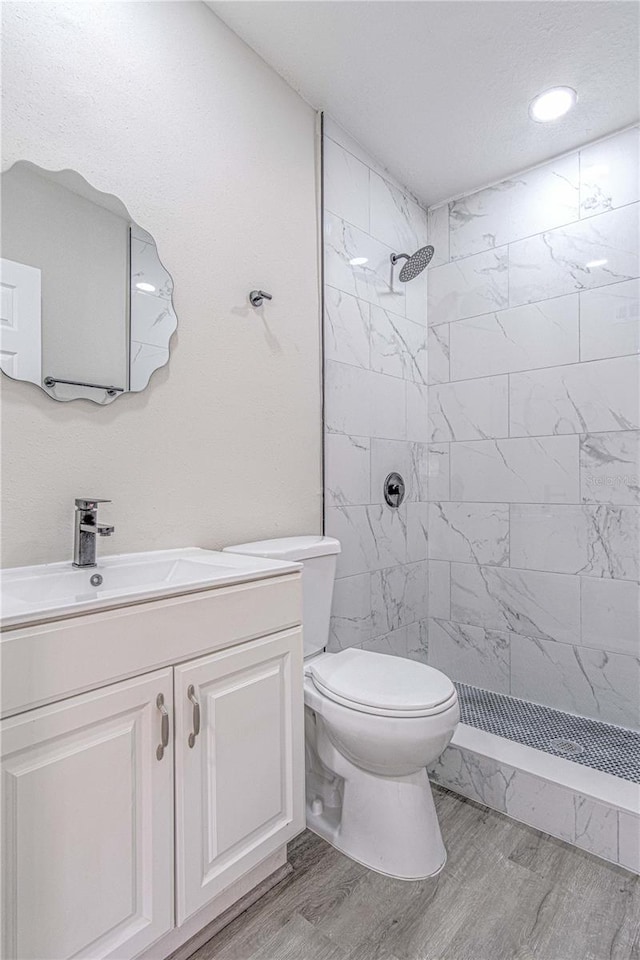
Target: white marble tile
439, 589
372, 537
610, 321
469, 410
145, 358
533, 604
396, 219
398, 596
611, 615
466, 288
591, 253
350, 612
347, 469
520, 470
346, 185
417, 425
580, 680
610, 467
390, 456
418, 478
629, 841
544, 805
534, 201
418, 641
610, 173
470, 654
438, 471
347, 399
335, 132
480, 778
469, 532
597, 396
369, 281
521, 338
599, 541
417, 531
613, 542
398, 346
596, 827
415, 297
346, 328
405, 642
387, 404
438, 233
438, 353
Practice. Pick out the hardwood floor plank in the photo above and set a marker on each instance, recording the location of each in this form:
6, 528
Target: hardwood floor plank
508, 892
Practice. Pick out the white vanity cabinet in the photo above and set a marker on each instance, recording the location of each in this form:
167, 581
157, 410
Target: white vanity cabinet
239, 764
87, 849
135, 812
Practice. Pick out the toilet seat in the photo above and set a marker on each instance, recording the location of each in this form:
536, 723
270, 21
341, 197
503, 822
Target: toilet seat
382, 685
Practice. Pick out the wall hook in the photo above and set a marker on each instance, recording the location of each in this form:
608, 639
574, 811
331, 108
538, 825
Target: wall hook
257, 296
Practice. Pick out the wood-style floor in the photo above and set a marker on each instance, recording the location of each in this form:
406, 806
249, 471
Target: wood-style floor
507, 892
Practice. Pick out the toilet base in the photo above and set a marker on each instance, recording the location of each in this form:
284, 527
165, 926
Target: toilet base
387, 824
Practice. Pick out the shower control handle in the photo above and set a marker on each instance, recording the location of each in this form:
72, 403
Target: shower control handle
394, 490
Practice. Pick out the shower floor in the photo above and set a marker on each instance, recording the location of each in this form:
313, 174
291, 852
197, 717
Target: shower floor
602, 746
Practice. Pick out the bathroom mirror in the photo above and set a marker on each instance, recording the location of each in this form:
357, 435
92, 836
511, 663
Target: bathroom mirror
86, 304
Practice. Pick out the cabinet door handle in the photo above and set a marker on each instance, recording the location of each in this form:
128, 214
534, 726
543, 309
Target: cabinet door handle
164, 728
191, 694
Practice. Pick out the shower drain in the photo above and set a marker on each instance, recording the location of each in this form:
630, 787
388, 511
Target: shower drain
568, 747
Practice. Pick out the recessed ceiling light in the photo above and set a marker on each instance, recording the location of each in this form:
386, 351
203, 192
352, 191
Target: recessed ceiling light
552, 104
146, 287
359, 261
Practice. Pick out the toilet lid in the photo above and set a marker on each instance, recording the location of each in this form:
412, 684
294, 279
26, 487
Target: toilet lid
379, 681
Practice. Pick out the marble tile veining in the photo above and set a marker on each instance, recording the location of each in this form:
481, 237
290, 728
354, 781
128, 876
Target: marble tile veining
469, 532
346, 185
589, 397
610, 467
346, 329
532, 604
530, 203
518, 470
610, 173
610, 321
466, 288
470, 654
469, 410
522, 338
590, 253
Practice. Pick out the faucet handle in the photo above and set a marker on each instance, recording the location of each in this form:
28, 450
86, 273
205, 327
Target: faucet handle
89, 503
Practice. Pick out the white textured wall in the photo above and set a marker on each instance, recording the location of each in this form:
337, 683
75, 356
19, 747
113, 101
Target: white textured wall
211, 151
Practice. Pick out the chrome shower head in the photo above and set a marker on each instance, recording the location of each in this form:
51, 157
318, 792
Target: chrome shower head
416, 262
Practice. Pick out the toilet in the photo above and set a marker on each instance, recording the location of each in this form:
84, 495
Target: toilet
373, 722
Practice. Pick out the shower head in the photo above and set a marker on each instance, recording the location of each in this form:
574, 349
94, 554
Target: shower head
415, 263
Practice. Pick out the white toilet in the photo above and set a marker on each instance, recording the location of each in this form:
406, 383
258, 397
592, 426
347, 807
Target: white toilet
372, 722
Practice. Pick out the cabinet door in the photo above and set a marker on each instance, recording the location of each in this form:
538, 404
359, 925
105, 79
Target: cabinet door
240, 779
87, 825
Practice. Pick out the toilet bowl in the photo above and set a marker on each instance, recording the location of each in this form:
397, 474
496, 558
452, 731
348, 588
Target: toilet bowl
373, 722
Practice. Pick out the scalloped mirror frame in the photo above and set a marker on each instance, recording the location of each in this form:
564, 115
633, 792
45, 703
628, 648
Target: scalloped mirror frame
151, 307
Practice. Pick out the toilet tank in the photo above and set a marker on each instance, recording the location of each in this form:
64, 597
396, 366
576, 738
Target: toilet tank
318, 556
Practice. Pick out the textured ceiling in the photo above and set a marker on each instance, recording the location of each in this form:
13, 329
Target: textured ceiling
439, 91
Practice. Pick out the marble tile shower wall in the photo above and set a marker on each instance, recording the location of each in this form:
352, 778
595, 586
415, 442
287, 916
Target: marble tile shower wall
375, 346
534, 434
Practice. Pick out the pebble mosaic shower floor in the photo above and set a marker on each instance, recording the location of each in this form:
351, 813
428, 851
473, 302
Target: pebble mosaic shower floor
603, 746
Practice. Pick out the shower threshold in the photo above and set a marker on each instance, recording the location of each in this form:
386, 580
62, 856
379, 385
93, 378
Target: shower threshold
592, 743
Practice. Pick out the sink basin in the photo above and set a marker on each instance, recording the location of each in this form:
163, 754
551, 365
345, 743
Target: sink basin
54, 590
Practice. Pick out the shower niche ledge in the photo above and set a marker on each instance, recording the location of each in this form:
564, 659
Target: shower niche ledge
161, 720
